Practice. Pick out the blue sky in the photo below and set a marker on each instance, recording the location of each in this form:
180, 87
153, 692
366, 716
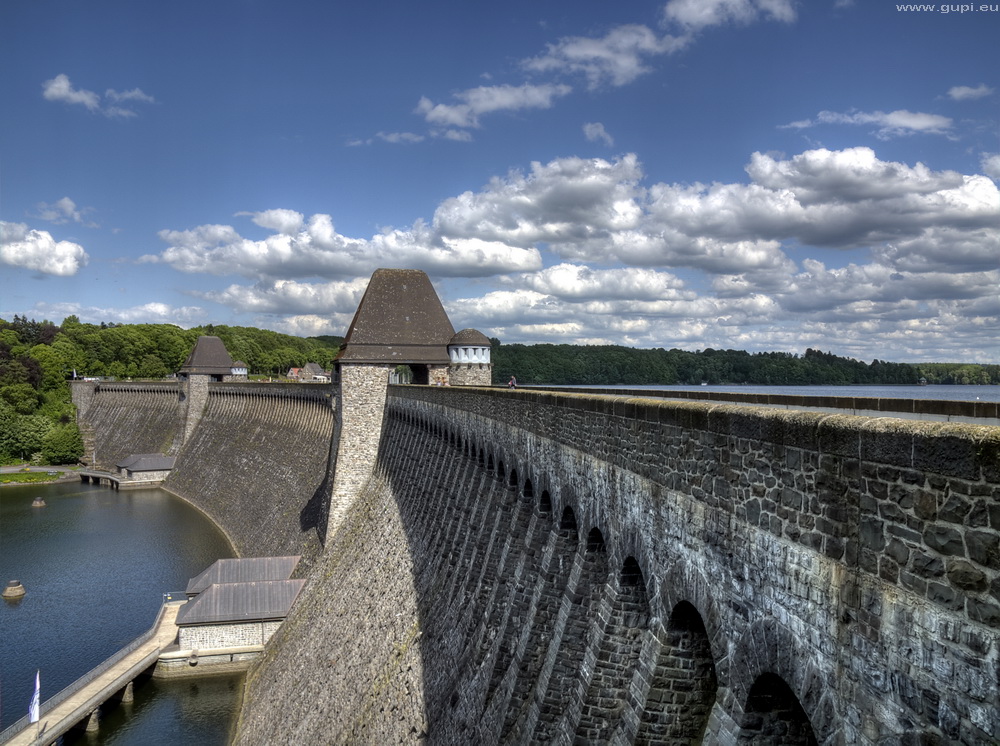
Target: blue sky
749, 174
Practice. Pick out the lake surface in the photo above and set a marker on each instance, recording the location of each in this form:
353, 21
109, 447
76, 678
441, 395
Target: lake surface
948, 393
95, 563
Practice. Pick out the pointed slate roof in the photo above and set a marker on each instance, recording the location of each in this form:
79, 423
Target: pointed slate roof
208, 357
400, 320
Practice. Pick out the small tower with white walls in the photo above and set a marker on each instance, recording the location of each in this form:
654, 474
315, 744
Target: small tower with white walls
469, 359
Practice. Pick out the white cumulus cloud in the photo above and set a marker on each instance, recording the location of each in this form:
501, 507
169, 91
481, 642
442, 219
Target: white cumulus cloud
475, 102
967, 93
147, 313
118, 103
990, 163
595, 131
315, 249
699, 14
21, 246
578, 282
887, 124
617, 58
63, 211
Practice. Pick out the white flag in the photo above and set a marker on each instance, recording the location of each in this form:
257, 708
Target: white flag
33, 707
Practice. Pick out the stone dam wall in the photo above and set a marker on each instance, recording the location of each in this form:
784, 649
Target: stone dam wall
119, 419
256, 461
257, 465
528, 567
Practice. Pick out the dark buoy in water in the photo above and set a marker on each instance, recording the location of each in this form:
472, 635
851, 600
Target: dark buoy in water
38, 502
14, 590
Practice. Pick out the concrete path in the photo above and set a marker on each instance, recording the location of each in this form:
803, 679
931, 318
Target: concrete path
82, 701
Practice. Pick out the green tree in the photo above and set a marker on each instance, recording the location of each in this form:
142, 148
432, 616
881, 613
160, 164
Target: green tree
62, 445
30, 433
21, 397
9, 432
152, 366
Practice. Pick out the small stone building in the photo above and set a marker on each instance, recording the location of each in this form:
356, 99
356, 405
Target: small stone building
146, 467
237, 603
235, 615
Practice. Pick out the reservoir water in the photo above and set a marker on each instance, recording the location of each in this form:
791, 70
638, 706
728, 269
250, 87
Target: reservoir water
95, 564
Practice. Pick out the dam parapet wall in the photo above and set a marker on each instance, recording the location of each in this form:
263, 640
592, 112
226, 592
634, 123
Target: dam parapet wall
933, 410
908, 502
526, 566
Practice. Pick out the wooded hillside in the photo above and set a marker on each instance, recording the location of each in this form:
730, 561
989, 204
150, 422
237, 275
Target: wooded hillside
38, 359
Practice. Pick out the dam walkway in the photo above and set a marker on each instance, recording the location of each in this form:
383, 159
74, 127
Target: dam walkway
80, 700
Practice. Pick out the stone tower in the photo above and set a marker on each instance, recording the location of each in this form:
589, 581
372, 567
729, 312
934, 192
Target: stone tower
469, 355
399, 322
209, 361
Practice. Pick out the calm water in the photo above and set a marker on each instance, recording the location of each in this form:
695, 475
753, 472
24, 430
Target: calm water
95, 564
949, 393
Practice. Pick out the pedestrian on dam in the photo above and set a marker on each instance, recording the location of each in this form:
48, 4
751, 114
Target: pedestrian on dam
512, 383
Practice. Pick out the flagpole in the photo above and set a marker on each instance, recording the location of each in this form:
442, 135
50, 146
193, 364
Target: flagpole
33, 707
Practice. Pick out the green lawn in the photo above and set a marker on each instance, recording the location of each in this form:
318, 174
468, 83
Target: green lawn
27, 477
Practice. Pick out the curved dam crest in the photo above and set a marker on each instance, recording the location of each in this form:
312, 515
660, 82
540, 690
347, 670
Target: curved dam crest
526, 567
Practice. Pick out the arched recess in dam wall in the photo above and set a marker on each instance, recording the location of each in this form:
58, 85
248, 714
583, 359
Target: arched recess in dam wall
531, 567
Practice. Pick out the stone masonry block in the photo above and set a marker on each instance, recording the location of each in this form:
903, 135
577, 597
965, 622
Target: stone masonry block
887, 441
839, 434
949, 449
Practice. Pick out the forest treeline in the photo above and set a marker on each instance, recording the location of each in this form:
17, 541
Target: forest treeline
39, 358
613, 365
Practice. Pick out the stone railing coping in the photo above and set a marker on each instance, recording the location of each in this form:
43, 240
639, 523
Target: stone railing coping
938, 407
950, 449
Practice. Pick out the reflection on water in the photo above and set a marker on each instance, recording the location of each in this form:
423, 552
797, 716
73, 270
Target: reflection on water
171, 711
95, 564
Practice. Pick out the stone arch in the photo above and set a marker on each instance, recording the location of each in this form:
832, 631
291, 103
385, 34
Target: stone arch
564, 694
512, 480
683, 685
776, 688
772, 714
595, 541
544, 501
609, 697
635, 552
567, 523
684, 582
420, 374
